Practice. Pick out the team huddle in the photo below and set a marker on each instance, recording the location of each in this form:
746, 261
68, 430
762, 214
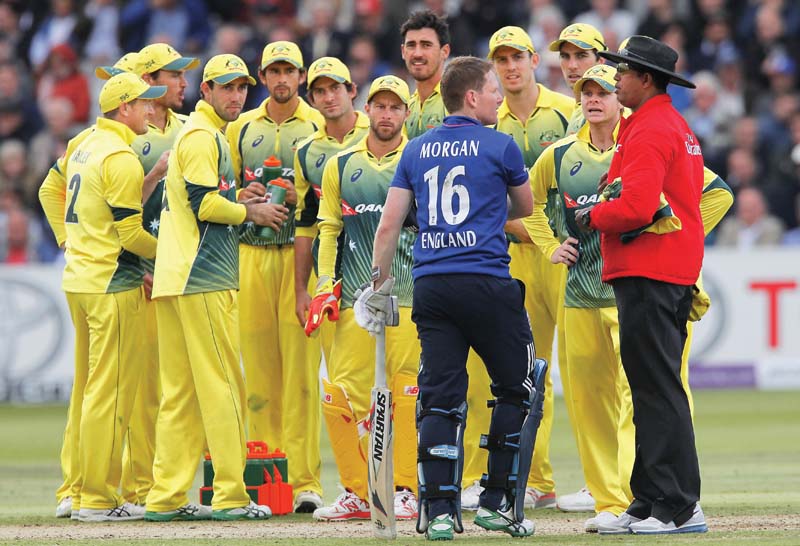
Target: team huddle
469, 211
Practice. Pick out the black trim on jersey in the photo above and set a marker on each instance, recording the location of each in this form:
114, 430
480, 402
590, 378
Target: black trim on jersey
196, 195
241, 152
718, 184
564, 121
120, 213
309, 215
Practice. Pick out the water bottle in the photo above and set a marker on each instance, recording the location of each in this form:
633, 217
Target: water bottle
270, 171
276, 191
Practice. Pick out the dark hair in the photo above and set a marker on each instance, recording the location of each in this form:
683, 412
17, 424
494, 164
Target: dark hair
461, 75
427, 19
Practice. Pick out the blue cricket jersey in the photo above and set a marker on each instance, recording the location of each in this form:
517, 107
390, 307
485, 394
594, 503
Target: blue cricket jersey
460, 173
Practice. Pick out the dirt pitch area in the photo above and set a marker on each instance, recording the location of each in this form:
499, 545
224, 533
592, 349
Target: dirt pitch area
277, 528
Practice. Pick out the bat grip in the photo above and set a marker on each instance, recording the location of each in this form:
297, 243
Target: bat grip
380, 358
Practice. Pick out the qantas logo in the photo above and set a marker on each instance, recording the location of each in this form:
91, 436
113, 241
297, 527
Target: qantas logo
569, 201
317, 191
347, 210
224, 185
372, 207
580, 201
249, 175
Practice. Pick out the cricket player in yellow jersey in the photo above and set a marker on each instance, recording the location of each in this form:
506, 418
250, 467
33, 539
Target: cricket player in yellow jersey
194, 287
281, 365
425, 48
103, 281
331, 91
577, 46
354, 187
535, 117
52, 196
157, 64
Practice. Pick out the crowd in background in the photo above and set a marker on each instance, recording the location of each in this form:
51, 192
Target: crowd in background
742, 54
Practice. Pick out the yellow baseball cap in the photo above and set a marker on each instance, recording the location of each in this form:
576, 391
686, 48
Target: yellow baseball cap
328, 67
392, 84
510, 37
223, 69
582, 35
125, 87
281, 51
126, 63
163, 57
601, 74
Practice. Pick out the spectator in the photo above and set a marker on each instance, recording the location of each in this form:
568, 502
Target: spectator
51, 142
606, 17
792, 237
731, 93
102, 46
63, 79
716, 40
11, 31
20, 234
343, 13
743, 169
545, 26
14, 124
708, 121
752, 225
365, 67
183, 24
323, 40
15, 173
660, 15
63, 25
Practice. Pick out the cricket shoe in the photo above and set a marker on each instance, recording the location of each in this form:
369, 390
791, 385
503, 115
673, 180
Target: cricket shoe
539, 499
124, 512
187, 512
603, 518
405, 505
440, 528
654, 526
64, 508
503, 521
471, 496
250, 511
306, 502
347, 506
582, 501
621, 525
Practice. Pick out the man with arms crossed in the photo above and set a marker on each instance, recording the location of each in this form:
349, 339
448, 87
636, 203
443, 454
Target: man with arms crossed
467, 180
195, 283
281, 365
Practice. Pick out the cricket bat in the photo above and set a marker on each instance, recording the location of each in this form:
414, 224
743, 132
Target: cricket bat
381, 449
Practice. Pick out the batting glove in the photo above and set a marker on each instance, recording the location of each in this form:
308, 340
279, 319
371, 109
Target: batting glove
376, 308
325, 303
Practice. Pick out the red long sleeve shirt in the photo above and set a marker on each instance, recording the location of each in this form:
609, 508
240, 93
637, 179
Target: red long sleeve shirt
656, 151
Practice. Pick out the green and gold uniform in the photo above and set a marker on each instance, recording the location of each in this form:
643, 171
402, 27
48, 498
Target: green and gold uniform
137, 459
544, 283
103, 282
53, 197
281, 364
309, 163
194, 287
570, 170
427, 114
354, 188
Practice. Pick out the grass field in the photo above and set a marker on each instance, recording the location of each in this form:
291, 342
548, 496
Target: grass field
748, 442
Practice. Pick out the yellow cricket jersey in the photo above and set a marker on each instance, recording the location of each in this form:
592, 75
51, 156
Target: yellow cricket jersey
717, 198
309, 163
425, 115
354, 188
53, 191
155, 142
198, 247
103, 217
253, 138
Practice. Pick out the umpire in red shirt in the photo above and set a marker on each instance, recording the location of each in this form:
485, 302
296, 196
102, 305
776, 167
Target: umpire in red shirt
652, 276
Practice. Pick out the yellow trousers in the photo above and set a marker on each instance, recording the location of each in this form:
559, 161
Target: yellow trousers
202, 400
544, 294
281, 364
140, 441
601, 404
352, 368
108, 329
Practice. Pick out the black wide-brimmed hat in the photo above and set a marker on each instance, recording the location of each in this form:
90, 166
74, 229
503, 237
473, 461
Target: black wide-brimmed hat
649, 53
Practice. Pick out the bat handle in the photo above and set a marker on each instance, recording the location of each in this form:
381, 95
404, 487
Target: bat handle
380, 358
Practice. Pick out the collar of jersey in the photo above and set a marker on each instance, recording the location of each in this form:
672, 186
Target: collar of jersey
584, 135
361, 146
362, 122
436, 91
171, 118
206, 111
546, 100
458, 121
118, 128
302, 111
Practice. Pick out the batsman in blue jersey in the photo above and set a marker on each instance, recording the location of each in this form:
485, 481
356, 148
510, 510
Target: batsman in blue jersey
467, 181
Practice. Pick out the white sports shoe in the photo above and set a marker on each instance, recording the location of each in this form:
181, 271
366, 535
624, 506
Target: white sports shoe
620, 526
603, 518
539, 499
64, 508
582, 501
249, 511
346, 506
306, 502
125, 512
653, 526
405, 505
471, 496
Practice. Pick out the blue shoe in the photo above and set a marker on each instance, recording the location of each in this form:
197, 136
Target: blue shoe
653, 526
